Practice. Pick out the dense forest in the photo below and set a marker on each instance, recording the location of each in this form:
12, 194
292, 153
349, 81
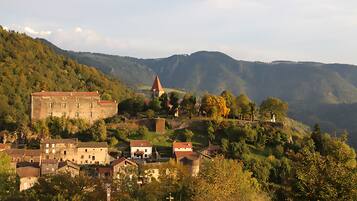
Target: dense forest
27, 65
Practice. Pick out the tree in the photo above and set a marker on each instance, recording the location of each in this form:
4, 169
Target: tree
188, 104
231, 103
273, 106
155, 105
113, 141
174, 100
187, 135
211, 132
243, 103
225, 180
8, 180
324, 178
99, 131
214, 106
66, 188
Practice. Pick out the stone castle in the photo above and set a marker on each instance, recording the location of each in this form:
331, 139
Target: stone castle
82, 105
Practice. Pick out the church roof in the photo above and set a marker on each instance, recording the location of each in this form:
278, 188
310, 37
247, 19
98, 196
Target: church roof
156, 86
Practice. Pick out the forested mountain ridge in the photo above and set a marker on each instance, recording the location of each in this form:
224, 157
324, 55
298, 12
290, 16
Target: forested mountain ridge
27, 65
310, 88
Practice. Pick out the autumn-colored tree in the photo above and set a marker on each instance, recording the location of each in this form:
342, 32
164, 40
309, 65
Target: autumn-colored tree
231, 103
225, 180
214, 106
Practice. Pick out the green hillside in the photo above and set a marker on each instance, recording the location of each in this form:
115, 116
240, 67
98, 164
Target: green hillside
27, 65
309, 87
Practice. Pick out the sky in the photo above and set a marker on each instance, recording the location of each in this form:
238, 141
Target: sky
253, 30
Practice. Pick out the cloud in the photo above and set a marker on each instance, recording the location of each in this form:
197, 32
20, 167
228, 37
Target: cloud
31, 31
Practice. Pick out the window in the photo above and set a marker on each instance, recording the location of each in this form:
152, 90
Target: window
146, 155
78, 105
65, 152
53, 145
93, 158
85, 150
86, 161
82, 157
47, 151
91, 105
47, 145
51, 105
53, 151
89, 156
146, 150
64, 105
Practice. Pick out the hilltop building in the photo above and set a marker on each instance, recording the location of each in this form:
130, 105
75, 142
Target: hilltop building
83, 105
157, 89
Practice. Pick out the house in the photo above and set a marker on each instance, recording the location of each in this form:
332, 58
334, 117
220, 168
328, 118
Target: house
181, 147
140, 149
105, 172
189, 159
123, 166
83, 105
59, 149
69, 168
157, 89
24, 155
49, 166
83, 153
28, 176
92, 153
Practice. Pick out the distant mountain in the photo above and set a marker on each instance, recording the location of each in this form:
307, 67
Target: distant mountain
27, 65
312, 89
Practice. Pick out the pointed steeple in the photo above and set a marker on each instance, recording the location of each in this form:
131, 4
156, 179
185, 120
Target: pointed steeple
157, 88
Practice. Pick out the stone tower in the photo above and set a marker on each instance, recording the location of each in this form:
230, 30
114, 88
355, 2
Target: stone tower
156, 88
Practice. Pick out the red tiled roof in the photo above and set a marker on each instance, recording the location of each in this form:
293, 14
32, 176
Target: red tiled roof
140, 143
182, 145
65, 93
121, 160
106, 102
28, 171
156, 86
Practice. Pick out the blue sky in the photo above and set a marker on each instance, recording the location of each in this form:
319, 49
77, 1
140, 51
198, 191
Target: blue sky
255, 30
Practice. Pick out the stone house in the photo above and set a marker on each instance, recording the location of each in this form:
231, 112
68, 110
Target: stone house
69, 168
140, 149
59, 149
92, 153
82, 153
189, 159
49, 166
123, 166
83, 105
28, 176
